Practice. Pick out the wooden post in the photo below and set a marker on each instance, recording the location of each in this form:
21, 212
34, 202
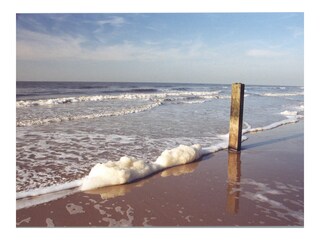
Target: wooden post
236, 116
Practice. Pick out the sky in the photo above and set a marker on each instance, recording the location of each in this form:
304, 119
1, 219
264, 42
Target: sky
253, 48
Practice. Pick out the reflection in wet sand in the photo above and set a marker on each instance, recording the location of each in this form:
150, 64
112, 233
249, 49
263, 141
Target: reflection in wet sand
264, 196
180, 170
117, 190
234, 174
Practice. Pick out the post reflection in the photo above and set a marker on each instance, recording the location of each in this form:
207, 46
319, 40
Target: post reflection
234, 174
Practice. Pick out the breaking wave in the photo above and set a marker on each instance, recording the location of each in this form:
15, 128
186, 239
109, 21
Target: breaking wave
41, 121
282, 94
129, 96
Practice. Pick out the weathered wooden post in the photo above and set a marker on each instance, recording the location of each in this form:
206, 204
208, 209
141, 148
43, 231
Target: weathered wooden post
236, 116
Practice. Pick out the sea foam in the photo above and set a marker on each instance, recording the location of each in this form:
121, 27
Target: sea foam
45, 190
128, 169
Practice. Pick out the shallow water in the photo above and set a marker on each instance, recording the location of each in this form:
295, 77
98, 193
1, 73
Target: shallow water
64, 129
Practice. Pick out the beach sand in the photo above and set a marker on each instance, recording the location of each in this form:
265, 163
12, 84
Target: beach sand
261, 186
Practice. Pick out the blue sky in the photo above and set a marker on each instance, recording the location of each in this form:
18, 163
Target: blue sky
253, 48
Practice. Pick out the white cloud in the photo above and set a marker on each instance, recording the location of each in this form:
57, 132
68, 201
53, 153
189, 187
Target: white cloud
114, 21
264, 53
40, 46
296, 31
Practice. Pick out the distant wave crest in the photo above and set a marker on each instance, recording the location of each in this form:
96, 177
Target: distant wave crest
139, 94
283, 94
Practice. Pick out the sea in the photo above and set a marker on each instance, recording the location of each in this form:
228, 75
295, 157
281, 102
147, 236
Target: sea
64, 129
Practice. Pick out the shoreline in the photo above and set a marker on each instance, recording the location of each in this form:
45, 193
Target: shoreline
262, 186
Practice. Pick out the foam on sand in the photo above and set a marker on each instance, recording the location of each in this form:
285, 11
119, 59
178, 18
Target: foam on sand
180, 155
128, 169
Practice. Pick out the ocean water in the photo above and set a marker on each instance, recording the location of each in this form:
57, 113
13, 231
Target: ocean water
64, 130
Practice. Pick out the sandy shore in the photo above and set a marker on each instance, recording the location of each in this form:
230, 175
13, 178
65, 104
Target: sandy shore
262, 186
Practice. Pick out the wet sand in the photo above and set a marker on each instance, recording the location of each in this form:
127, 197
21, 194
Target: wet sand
261, 186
